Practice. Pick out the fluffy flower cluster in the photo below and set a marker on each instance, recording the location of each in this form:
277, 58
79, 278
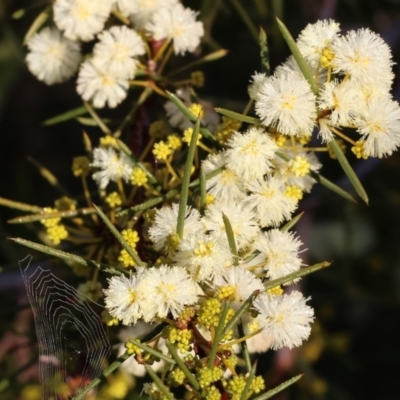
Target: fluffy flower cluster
253, 195
151, 293
54, 53
353, 76
262, 181
229, 248
257, 195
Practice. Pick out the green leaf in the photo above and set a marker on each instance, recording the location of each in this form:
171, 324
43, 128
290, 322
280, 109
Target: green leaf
76, 112
37, 24
119, 237
102, 125
279, 388
189, 115
295, 275
218, 334
19, 206
245, 350
148, 204
289, 225
323, 181
186, 180
66, 256
90, 121
264, 53
18, 14
152, 351
238, 314
237, 116
105, 373
159, 383
231, 239
246, 19
203, 193
182, 366
331, 186
210, 175
48, 175
348, 170
60, 214
249, 381
298, 57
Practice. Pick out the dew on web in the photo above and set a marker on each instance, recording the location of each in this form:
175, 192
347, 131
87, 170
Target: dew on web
72, 340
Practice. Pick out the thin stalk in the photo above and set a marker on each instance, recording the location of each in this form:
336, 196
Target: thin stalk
147, 149
171, 170
239, 340
121, 190
305, 148
248, 106
206, 148
86, 190
186, 180
164, 61
161, 50
121, 17
343, 136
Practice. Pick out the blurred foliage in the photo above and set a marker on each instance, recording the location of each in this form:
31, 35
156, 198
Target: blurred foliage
354, 347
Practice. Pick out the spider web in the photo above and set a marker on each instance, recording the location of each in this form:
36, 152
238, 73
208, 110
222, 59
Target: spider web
73, 343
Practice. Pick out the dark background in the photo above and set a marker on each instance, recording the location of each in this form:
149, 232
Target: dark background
354, 350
